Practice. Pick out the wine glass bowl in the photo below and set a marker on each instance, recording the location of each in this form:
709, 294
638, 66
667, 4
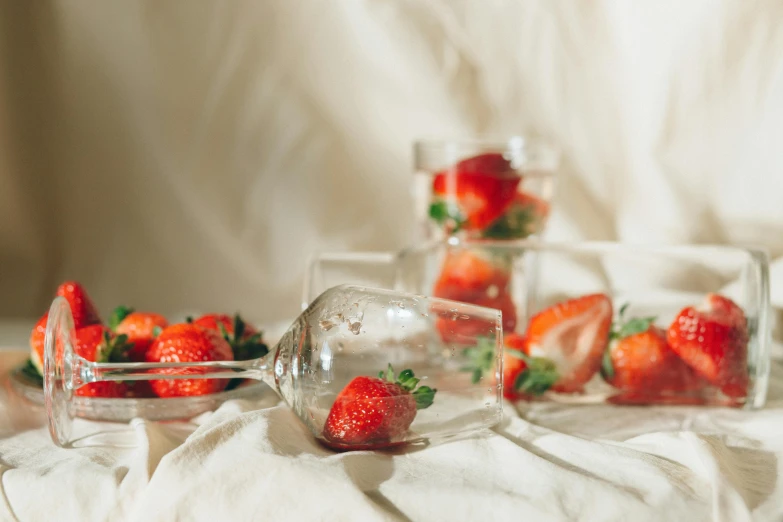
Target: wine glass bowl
348, 332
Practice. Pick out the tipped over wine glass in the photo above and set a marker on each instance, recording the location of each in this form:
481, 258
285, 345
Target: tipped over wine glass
362, 368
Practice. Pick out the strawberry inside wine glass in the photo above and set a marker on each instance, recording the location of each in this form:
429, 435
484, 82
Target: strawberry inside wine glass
362, 368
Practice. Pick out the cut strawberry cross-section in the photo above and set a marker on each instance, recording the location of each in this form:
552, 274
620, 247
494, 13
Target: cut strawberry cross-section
573, 335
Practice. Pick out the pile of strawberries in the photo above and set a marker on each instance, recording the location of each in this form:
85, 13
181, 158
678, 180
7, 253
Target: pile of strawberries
132, 336
481, 196
564, 346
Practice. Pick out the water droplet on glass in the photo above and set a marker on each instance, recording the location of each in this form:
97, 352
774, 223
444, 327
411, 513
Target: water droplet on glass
326, 325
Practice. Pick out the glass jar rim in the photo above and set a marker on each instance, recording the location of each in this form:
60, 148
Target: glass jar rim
522, 151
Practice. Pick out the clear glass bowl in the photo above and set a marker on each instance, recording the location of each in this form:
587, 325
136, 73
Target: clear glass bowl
532, 282
497, 190
126, 409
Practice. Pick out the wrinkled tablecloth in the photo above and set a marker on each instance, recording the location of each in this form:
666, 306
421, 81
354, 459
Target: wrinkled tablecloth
254, 460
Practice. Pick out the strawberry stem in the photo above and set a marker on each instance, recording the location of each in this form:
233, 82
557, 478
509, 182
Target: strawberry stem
537, 378
518, 223
482, 358
607, 368
244, 348
424, 395
117, 316
447, 214
622, 328
114, 349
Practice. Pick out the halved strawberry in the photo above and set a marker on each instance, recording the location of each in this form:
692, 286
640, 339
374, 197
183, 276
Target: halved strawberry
375, 412
474, 193
573, 335
640, 360
713, 340
83, 312
37, 343
525, 216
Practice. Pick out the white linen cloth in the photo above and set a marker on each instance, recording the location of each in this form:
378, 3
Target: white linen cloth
254, 460
191, 154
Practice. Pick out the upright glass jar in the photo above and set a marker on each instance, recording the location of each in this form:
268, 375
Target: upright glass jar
499, 190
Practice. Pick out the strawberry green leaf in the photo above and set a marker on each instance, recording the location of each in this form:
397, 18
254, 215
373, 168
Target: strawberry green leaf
636, 326
407, 380
622, 328
239, 327
446, 214
156, 330
424, 396
537, 378
119, 313
114, 349
607, 368
516, 223
244, 348
481, 358
31, 372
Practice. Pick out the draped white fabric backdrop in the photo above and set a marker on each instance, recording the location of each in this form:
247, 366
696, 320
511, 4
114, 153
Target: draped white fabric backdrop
187, 155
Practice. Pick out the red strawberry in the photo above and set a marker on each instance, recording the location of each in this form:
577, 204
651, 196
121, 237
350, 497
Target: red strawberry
96, 343
467, 275
525, 216
83, 310
523, 376
713, 340
375, 412
140, 327
573, 335
188, 343
454, 328
245, 340
639, 360
37, 343
474, 193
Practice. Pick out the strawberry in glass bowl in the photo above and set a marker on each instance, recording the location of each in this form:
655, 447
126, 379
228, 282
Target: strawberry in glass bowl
595, 322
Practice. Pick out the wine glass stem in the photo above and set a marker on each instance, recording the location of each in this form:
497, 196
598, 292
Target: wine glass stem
257, 369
